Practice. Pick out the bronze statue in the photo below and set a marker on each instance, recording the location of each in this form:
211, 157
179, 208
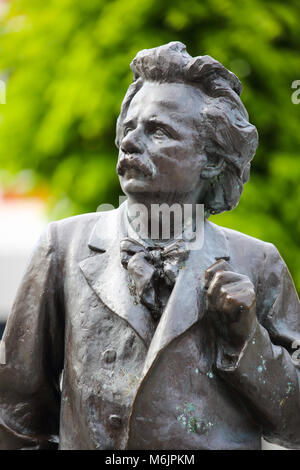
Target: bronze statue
161, 347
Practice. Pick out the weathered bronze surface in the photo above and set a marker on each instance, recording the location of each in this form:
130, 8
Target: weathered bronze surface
160, 347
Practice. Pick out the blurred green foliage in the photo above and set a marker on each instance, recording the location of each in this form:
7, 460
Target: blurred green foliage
67, 63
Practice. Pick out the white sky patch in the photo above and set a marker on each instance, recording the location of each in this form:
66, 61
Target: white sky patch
21, 224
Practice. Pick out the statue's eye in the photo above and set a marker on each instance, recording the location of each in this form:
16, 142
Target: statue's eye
126, 130
158, 132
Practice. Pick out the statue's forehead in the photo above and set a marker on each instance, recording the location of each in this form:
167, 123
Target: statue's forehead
174, 99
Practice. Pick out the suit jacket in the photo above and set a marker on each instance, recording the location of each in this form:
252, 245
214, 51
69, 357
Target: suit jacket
128, 383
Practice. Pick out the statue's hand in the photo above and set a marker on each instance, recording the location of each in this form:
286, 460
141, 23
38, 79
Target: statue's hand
231, 303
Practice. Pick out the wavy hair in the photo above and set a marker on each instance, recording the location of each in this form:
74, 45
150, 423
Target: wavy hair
225, 117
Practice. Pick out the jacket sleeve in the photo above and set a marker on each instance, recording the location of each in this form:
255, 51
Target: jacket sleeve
32, 355
266, 372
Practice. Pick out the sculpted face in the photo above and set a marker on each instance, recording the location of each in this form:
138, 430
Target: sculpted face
161, 151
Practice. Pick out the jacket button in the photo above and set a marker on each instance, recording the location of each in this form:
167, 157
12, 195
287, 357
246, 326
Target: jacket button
115, 421
109, 355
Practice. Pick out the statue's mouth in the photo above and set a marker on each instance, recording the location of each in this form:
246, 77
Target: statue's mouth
134, 169
136, 173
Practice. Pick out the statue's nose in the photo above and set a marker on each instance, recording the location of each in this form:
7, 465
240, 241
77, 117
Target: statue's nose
132, 143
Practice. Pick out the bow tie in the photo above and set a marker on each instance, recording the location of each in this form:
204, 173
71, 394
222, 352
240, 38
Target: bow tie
153, 271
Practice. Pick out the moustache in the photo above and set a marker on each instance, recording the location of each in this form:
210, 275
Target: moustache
134, 163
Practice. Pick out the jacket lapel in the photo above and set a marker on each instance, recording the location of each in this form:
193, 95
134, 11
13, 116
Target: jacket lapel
107, 277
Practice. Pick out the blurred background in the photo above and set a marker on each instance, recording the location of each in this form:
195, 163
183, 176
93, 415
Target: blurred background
65, 66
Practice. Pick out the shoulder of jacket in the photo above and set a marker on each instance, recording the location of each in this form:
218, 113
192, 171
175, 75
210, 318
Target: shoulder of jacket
238, 239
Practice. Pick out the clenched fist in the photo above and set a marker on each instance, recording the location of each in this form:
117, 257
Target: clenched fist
231, 303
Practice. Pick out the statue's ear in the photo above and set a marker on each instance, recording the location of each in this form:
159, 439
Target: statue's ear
213, 166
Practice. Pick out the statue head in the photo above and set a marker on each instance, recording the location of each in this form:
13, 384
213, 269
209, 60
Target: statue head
182, 125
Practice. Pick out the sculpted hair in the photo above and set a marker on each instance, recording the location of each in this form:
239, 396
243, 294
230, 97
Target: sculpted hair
224, 119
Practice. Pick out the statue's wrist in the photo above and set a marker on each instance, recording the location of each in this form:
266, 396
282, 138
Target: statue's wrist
230, 352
